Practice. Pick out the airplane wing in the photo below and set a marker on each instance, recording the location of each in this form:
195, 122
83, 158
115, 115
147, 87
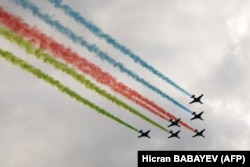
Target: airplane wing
195, 135
199, 115
192, 118
192, 102
170, 125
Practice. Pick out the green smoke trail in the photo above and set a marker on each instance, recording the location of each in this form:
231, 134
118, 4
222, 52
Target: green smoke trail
53, 82
40, 54
36, 11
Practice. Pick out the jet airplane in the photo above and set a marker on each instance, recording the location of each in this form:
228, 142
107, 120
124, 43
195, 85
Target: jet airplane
174, 134
174, 123
199, 133
196, 99
144, 134
197, 116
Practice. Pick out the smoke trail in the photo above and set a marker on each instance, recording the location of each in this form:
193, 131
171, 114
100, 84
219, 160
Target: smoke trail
93, 48
53, 82
98, 32
81, 63
71, 57
40, 54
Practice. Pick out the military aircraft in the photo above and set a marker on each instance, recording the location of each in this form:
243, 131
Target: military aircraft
144, 134
174, 134
196, 99
199, 133
197, 116
174, 123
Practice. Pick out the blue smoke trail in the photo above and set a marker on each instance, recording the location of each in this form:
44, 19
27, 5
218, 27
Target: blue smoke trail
92, 48
98, 32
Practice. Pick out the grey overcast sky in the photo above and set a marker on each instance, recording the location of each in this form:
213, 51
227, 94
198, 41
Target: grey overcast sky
201, 45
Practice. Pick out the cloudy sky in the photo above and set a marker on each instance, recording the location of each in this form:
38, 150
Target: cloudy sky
203, 46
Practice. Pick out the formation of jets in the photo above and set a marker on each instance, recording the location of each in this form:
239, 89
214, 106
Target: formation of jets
176, 122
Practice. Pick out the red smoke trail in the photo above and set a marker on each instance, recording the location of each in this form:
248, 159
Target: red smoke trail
47, 43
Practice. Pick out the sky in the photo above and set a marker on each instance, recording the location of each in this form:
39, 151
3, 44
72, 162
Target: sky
203, 46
